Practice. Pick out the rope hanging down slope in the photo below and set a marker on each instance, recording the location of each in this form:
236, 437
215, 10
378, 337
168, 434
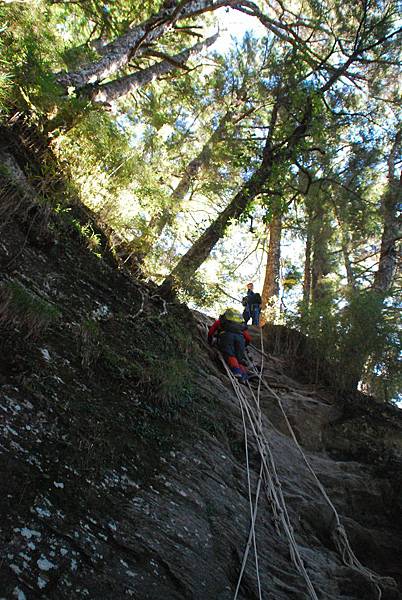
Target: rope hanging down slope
273, 489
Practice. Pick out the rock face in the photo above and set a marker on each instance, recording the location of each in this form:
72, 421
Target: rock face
123, 450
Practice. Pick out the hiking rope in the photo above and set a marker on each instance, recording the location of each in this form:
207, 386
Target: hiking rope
273, 489
272, 483
275, 493
253, 516
339, 533
253, 510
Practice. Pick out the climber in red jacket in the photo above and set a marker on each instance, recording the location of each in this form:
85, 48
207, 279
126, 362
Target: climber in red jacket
233, 337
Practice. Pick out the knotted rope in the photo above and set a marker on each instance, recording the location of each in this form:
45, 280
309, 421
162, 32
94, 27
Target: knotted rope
272, 485
339, 533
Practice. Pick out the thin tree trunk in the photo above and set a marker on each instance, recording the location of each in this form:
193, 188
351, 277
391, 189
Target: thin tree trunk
392, 226
270, 290
307, 269
193, 169
346, 248
345, 244
118, 53
317, 270
201, 249
159, 221
119, 88
320, 266
355, 359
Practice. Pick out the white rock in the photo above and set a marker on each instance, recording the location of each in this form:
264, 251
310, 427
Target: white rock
28, 533
44, 564
46, 356
41, 583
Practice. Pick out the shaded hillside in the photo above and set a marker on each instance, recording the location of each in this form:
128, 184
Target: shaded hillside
122, 445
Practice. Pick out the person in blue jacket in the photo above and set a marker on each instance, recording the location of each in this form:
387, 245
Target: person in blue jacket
252, 306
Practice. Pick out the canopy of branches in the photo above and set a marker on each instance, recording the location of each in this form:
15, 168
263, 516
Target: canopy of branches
273, 157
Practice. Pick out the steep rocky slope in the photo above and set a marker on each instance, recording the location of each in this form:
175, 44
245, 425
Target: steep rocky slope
123, 450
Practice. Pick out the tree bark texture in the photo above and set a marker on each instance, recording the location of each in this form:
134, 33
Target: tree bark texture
119, 88
118, 53
345, 246
270, 290
320, 267
307, 269
392, 230
318, 270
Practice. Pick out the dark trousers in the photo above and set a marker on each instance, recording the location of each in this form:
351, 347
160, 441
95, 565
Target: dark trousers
232, 344
252, 311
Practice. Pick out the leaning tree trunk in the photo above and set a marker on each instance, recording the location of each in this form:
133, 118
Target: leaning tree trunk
201, 249
270, 290
118, 53
119, 88
193, 169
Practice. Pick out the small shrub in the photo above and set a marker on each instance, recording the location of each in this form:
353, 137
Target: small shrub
12, 203
89, 342
85, 232
173, 384
92, 238
21, 307
19, 199
360, 341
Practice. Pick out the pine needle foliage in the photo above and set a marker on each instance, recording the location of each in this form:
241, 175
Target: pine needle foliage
360, 340
31, 51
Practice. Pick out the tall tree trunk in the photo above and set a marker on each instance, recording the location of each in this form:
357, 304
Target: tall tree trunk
270, 290
355, 356
307, 269
319, 262
119, 88
305, 183
392, 226
346, 247
201, 249
118, 53
345, 244
318, 270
